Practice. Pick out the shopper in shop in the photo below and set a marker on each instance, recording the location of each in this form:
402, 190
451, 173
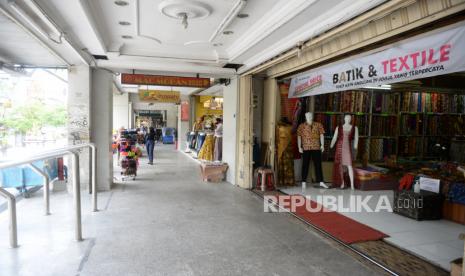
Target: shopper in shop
150, 144
344, 136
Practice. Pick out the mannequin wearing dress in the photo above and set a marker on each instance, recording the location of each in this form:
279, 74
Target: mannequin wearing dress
311, 141
343, 156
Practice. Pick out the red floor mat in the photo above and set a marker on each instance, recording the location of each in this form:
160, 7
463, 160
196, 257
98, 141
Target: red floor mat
341, 227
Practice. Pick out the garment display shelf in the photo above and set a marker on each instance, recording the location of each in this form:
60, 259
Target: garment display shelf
406, 118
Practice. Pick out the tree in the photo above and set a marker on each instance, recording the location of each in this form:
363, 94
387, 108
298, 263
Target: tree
55, 116
32, 116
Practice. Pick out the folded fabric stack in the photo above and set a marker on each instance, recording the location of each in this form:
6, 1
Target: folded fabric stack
457, 193
366, 174
380, 148
432, 102
383, 126
369, 179
385, 103
411, 124
409, 146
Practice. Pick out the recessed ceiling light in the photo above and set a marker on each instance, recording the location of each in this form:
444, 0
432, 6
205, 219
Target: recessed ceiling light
126, 36
124, 23
121, 3
217, 44
228, 32
242, 15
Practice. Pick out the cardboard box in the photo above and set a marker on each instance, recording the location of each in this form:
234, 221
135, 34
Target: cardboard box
213, 172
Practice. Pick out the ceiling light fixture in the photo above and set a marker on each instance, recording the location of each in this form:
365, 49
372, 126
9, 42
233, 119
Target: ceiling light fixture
126, 36
237, 8
228, 32
299, 48
213, 103
184, 17
380, 87
184, 10
121, 3
242, 15
124, 23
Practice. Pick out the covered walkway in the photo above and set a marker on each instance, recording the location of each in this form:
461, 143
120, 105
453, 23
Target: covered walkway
169, 222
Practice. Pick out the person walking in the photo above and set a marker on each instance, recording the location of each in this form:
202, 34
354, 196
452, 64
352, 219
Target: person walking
150, 144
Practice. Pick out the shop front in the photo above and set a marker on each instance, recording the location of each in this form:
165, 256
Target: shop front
211, 134
384, 125
204, 140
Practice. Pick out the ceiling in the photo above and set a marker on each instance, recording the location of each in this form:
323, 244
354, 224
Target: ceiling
151, 41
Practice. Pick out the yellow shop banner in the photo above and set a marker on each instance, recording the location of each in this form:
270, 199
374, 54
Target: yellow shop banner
161, 96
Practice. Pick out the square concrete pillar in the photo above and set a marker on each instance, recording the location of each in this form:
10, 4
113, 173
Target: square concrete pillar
79, 123
182, 127
101, 125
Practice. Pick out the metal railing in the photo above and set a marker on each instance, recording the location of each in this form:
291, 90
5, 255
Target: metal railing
71, 150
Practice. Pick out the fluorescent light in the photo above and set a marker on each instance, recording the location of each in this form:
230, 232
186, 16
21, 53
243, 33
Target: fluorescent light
32, 34
39, 12
27, 18
228, 19
14, 70
380, 87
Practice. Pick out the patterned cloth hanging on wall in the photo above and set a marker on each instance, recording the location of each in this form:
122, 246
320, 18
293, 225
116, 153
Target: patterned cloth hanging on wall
287, 105
284, 155
293, 110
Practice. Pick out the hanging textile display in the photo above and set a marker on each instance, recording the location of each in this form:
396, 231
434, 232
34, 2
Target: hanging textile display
285, 155
206, 152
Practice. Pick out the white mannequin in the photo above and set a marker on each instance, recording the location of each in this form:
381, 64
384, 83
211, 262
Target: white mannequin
347, 127
309, 120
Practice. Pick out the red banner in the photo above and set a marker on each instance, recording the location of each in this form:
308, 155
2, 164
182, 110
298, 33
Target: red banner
185, 111
143, 79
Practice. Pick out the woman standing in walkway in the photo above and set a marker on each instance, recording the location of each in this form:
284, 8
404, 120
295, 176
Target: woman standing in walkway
150, 144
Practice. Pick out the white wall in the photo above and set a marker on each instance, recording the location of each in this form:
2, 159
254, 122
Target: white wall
229, 128
171, 109
172, 115
121, 110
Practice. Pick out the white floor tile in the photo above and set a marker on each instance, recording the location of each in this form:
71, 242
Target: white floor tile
441, 251
436, 241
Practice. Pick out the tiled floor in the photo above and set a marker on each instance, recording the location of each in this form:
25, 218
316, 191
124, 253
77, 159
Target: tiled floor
436, 241
169, 222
